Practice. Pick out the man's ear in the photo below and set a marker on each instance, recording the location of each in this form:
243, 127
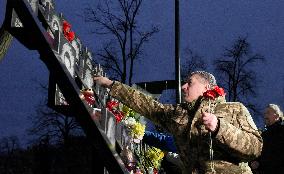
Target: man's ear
276, 117
207, 87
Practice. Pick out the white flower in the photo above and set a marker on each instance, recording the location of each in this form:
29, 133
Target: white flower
130, 121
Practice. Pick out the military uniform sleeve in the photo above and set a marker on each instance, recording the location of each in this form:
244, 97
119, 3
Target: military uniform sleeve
158, 113
240, 135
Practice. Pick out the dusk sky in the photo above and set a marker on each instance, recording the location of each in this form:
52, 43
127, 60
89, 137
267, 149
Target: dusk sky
207, 27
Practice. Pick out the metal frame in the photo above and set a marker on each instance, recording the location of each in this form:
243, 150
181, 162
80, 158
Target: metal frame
33, 36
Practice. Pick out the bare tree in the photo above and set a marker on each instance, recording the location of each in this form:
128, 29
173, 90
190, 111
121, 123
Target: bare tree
193, 62
49, 125
8, 145
235, 69
119, 20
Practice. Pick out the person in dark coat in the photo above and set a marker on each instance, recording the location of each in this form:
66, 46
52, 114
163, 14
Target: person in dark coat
272, 155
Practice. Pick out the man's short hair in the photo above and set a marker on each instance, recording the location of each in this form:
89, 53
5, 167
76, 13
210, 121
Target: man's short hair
276, 109
207, 77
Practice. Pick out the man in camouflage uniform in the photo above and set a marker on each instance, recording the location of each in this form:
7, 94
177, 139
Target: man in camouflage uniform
235, 136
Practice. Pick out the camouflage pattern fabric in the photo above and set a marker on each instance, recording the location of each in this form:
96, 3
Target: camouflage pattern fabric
236, 142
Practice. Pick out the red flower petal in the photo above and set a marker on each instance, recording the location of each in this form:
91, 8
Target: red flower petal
118, 116
210, 94
111, 105
70, 36
219, 91
66, 26
90, 99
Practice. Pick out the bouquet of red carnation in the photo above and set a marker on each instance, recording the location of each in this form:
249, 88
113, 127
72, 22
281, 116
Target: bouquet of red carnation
211, 95
214, 93
112, 106
88, 95
69, 35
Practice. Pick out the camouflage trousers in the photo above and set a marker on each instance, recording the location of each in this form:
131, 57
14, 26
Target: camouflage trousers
223, 167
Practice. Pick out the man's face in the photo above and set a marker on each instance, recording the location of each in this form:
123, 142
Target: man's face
194, 87
270, 117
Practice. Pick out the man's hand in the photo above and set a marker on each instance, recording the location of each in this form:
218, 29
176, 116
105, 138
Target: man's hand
103, 81
210, 121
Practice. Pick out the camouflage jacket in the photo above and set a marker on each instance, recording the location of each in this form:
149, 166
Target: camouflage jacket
237, 140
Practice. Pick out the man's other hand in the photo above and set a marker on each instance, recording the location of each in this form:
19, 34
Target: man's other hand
210, 121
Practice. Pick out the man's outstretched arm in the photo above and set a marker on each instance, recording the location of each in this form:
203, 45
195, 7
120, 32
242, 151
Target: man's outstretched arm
145, 105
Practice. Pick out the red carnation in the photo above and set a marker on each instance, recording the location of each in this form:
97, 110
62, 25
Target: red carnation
66, 26
210, 94
111, 104
155, 171
69, 35
90, 99
118, 116
213, 93
219, 91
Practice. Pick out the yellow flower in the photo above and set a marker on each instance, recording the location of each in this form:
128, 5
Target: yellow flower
138, 130
154, 157
125, 110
